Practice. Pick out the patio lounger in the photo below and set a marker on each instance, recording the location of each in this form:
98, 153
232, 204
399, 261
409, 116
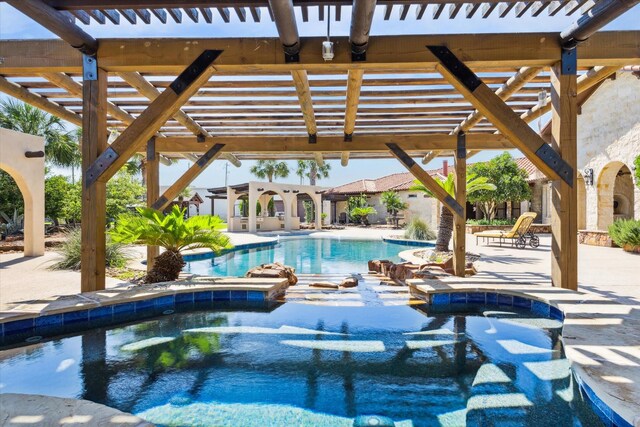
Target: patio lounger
519, 233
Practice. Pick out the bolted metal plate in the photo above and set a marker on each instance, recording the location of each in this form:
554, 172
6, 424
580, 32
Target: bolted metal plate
89, 67
358, 57
291, 57
456, 67
194, 70
210, 154
33, 154
552, 159
96, 169
159, 203
313, 138
348, 137
151, 149
201, 138
401, 155
453, 204
569, 61
461, 149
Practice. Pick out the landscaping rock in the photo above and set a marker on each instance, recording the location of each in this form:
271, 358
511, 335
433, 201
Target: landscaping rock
349, 282
325, 285
376, 265
275, 270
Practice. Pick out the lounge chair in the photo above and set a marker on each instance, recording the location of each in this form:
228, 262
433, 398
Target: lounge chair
519, 234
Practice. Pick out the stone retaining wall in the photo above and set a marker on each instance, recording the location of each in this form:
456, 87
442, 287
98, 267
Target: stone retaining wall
536, 228
595, 238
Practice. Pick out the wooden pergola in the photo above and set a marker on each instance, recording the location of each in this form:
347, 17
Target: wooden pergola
254, 98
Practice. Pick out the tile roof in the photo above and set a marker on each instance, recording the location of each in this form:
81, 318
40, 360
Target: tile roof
402, 181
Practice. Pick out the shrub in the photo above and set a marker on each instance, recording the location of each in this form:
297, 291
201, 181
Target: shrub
625, 233
360, 215
417, 229
117, 255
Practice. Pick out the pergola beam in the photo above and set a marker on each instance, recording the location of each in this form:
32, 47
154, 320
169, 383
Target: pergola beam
187, 178
502, 116
150, 121
149, 91
264, 55
58, 23
36, 100
426, 180
332, 144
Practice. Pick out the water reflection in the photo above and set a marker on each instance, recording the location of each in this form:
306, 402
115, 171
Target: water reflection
444, 369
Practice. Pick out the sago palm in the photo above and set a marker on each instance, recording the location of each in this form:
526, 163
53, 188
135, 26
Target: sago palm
445, 228
173, 233
270, 169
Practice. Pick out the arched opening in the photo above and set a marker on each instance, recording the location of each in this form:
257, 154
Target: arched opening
270, 213
582, 203
307, 209
615, 194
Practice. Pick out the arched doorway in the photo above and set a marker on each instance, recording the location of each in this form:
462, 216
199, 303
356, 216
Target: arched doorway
615, 194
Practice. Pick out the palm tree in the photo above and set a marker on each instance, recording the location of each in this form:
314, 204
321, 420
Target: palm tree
445, 228
392, 201
172, 232
270, 169
312, 170
60, 147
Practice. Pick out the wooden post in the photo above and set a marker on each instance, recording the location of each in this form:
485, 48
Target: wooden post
152, 171
459, 221
564, 206
94, 142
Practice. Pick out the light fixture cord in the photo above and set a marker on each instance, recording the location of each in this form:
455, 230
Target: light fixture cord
328, 21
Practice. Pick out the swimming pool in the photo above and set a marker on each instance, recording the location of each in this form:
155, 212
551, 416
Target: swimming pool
307, 365
306, 255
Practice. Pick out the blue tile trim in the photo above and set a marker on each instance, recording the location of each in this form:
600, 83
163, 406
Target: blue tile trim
540, 308
238, 295
521, 302
76, 316
48, 321
459, 298
165, 301
556, 314
184, 298
209, 255
144, 304
492, 298
403, 242
256, 296
18, 326
505, 300
221, 295
101, 312
203, 296
476, 297
127, 307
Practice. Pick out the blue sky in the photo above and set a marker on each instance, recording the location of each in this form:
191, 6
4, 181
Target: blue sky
14, 25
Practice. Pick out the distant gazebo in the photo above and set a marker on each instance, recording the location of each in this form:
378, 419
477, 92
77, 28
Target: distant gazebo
287, 212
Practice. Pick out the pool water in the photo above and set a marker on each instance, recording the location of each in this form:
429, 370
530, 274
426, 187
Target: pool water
306, 255
305, 365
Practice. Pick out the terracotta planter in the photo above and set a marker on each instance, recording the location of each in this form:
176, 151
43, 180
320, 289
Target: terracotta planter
631, 248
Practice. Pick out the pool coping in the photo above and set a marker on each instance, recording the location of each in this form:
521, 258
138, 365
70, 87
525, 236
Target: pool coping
592, 324
112, 303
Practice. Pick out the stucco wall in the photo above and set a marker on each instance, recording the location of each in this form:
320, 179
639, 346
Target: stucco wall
29, 175
609, 131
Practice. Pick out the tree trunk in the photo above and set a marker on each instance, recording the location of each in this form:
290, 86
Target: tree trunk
313, 174
445, 230
167, 267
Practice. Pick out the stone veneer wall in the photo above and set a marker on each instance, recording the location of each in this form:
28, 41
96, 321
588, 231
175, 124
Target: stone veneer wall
595, 238
609, 131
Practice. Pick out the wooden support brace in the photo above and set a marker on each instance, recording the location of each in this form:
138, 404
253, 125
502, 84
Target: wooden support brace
192, 173
426, 179
149, 122
152, 171
564, 207
501, 115
93, 215
459, 221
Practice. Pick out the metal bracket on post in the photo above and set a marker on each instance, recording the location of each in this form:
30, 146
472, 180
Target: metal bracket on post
313, 138
569, 61
151, 149
291, 57
105, 160
201, 138
358, 57
552, 159
89, 68
348, 137
461, 149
